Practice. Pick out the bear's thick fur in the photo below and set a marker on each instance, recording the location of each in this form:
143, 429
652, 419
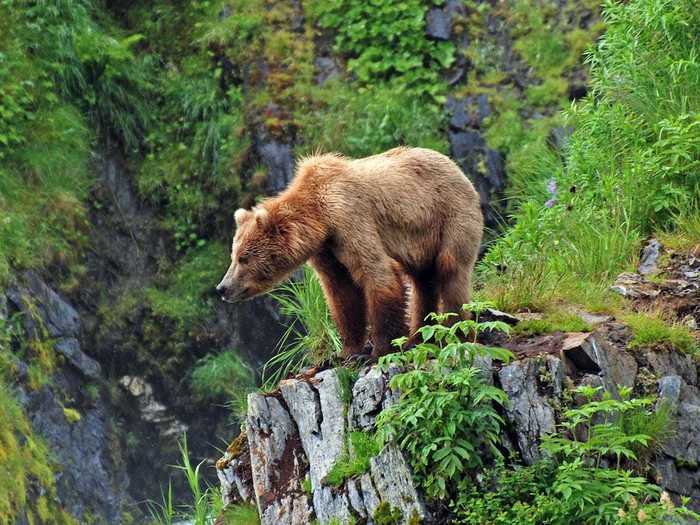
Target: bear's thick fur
366, 226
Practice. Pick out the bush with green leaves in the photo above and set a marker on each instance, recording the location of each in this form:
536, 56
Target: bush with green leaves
386, 40
587, 475
446, 420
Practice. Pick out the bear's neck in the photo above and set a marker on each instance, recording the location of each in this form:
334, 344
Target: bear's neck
307, 225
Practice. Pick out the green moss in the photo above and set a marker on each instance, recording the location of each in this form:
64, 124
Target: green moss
559, 321
71, 415
385, 514
306, 485
240, 514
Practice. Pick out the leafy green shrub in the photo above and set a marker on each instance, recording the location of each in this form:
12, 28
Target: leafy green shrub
573, 484
446, 420
311, 337
650, 331
386, 40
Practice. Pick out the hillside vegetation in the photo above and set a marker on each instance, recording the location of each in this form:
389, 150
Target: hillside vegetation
188, 93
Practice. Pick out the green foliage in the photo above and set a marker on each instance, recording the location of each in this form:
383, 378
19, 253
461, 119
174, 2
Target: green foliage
311, 336
558, 321
359, 124
652, 331
446, 420
386, 40
224, 376
362, 447
186, 295
631, 163
572, 484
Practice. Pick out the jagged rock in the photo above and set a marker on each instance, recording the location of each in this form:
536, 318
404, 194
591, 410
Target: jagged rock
438, 24
468, 111
152, 410
491, 314
278, 158
317, 409
593, 319
367, 399
302, 434
234, 473
70, 348
529, 411
277, 462
43, 309
484, 167
650, 256
633, 285
327, 68
664, 362
392, 480
589, 352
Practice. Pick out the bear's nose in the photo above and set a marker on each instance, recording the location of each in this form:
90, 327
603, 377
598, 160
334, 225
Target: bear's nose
221, 289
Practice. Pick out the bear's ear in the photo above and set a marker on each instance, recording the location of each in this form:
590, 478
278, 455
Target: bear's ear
262, 216
241, 216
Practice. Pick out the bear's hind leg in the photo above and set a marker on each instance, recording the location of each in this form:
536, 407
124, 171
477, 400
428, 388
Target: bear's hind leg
455, 284
386, 302
423, 300
346, 301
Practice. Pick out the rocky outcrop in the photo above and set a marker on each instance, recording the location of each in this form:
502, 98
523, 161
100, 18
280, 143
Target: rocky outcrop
296, 435
91, 477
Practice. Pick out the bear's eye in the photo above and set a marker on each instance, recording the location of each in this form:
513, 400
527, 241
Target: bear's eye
242, 259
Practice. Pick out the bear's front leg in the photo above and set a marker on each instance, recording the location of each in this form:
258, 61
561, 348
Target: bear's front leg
346, 302
386, 302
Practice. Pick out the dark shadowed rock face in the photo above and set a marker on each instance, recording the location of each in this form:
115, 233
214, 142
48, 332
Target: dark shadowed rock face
91, 478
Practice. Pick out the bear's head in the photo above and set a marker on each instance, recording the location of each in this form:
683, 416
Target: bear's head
261, 255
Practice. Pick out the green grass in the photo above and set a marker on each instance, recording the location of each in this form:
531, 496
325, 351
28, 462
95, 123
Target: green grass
630, 166
311, 336
224, 377
186, 292
366, 123
650, 331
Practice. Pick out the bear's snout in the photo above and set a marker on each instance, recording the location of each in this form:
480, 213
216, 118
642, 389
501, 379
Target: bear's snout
230, 292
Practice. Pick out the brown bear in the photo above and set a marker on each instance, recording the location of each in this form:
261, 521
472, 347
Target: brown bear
366, 226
